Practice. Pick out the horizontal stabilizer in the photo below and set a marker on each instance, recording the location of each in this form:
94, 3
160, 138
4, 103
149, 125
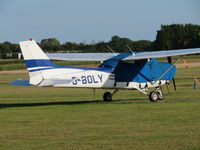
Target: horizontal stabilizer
20, 82
52, 82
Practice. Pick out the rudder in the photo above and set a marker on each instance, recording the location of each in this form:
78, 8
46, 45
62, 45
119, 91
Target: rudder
35, 60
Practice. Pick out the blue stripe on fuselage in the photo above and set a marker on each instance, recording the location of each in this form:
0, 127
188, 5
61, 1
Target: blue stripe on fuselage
39, 63
47, 63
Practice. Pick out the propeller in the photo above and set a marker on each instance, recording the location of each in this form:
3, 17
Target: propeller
174, 82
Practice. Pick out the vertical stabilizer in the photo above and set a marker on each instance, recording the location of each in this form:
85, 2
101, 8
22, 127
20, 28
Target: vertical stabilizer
35, 60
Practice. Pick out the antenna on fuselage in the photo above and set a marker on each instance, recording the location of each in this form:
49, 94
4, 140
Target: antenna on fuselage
112, 50
130, 49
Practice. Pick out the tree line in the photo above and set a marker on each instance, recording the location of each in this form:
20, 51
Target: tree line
116, 43
175, 36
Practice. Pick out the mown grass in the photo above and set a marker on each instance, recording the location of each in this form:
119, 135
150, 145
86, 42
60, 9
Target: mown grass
102, 126
66, 118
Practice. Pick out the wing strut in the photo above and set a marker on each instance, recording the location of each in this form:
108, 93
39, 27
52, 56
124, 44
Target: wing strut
193, 75
174, 82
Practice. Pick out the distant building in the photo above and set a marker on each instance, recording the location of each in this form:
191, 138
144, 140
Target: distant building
11, 55
19, 55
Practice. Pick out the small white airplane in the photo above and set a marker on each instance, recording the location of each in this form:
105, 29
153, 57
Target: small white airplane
137, 71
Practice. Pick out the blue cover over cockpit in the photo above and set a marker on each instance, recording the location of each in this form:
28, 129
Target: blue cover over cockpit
143, 71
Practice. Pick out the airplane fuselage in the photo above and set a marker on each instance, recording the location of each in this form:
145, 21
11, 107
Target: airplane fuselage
90, 78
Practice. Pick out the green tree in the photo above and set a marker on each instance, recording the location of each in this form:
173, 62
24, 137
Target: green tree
142, 45
120, 44
67, 46
51, 44
6, 49
101, 47
1, 50
177, 36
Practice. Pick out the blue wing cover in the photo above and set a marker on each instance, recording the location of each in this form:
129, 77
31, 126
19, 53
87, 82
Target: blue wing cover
143, 72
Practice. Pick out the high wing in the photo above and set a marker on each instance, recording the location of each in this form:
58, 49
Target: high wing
159, 54
134, 56
81, 56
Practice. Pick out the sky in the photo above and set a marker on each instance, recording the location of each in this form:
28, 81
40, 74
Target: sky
91, 20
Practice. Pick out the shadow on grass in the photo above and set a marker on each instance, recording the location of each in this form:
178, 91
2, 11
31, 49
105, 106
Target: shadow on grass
4, 83
15, 105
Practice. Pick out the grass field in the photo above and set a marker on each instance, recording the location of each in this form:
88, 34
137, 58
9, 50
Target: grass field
64, 118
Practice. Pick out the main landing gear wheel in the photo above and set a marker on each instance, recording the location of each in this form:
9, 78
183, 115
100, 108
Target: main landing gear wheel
153, 96
156, 95
107, 96
160, 95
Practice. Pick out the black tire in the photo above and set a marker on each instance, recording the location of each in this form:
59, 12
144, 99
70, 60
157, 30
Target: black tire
153, 96
160, 95
107, 96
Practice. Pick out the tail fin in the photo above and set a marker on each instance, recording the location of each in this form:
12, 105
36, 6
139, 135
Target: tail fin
35, 60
